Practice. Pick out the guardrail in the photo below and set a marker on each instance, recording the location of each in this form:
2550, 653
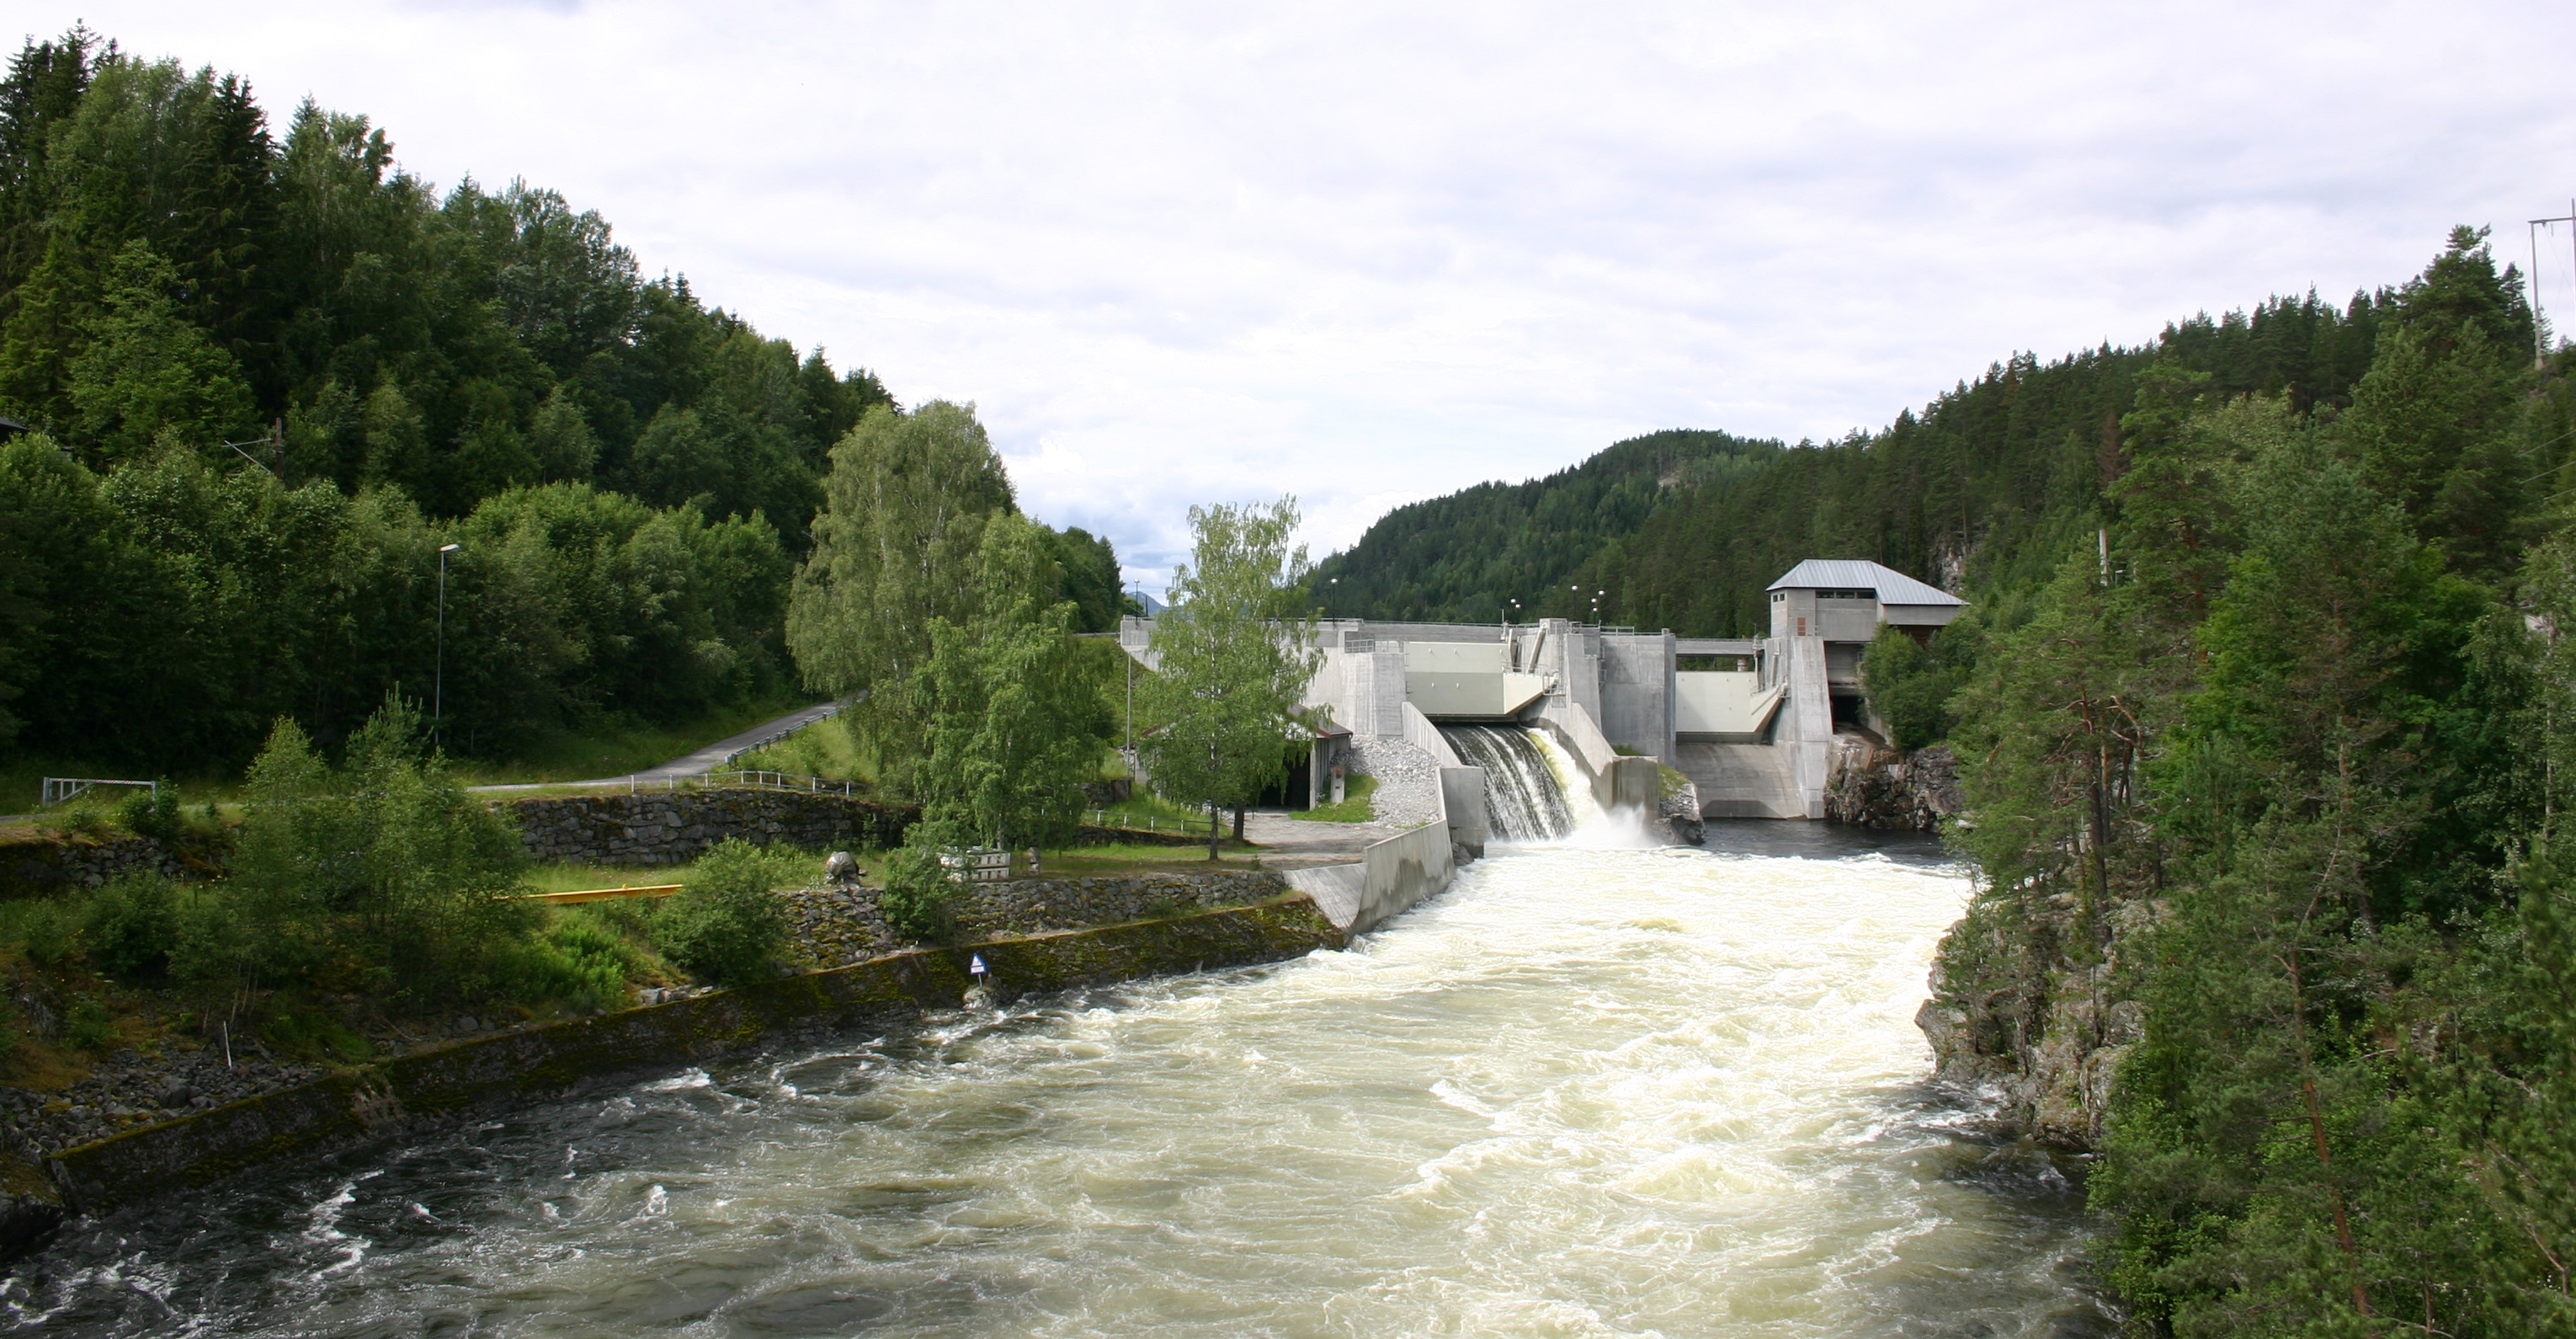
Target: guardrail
602, 894
64, 789
795, 781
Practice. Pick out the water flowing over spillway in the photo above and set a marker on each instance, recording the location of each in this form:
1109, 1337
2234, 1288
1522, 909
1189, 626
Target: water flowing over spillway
1524, 797
1585, 1092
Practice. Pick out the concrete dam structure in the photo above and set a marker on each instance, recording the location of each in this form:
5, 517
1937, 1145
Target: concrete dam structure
1750, 721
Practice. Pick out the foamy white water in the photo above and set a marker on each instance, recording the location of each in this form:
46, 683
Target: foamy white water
1588, 1092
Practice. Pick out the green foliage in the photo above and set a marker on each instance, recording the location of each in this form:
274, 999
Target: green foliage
129, 927
87, 1024
1233, 656
382, 867
727, 925
919, 901
1910, 684
46, 929
2282, 774
1354, 808
176, 276
1015, 720
153, 813
581, 959
895, 550
1983, 490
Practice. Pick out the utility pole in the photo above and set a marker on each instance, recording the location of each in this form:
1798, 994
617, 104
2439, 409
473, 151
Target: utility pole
438, 683
2539, 350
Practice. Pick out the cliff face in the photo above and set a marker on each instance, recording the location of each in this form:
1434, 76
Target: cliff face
2019, 1017
1874, 786
2014, 1015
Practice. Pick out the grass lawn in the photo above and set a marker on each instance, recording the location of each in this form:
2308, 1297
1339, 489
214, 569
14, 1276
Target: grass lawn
1354, 808
829, 748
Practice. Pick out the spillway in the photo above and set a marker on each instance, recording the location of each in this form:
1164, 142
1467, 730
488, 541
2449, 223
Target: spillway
1586, 1092
1525, 798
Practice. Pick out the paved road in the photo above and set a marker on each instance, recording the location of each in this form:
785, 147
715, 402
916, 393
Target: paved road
701, 762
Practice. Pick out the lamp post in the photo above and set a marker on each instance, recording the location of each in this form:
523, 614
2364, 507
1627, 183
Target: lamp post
1131, 695
438, 683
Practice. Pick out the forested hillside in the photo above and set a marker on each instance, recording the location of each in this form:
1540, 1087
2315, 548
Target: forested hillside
266, 375
1981, 490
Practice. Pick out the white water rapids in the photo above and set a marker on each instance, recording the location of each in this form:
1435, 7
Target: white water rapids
1586, 1092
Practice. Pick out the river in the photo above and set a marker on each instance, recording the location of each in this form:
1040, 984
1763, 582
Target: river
1586, 1092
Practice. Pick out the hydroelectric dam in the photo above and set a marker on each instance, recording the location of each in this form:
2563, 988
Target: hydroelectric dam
1601, 1085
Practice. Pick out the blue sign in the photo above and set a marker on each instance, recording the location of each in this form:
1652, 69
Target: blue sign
975, 963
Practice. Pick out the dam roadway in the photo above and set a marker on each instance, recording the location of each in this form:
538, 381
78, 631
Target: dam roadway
1584, 1092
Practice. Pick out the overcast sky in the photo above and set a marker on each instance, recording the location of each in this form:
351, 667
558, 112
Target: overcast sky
1375, 252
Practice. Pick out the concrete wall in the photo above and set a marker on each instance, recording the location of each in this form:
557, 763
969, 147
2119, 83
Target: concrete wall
1809, 725
1422, 734
1462, 794
1633, 783
1401, 871
1637, 691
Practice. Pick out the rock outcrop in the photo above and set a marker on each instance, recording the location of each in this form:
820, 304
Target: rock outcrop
1873, 786
2017, 1018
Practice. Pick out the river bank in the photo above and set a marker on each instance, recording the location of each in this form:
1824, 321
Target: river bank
1625, 1091
204, 1112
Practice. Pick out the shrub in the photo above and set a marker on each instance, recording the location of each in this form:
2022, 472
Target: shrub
920, 897
580, 960
726, 925
44, 928
153, 813
130, 927
88, 1026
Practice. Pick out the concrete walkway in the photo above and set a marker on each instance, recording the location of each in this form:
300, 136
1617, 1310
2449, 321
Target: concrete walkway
699, 763
1296, 843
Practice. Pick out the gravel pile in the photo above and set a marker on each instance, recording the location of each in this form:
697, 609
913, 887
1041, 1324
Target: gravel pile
1408, 779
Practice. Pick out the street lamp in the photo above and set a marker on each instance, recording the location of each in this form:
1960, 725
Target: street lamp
438, 688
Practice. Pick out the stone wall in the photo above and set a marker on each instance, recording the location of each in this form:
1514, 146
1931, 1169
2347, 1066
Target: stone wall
673, 827
838, 925
50, 864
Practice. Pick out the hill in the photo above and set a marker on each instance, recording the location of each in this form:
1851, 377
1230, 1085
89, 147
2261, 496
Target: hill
1982, 490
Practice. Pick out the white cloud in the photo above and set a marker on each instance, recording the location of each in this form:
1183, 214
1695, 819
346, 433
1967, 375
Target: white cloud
1370, 253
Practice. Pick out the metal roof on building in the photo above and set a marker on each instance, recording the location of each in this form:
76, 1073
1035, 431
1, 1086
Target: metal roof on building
1893, 587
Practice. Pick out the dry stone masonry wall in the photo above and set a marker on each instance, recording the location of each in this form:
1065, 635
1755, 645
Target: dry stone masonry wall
48, 864
835, 925
673, 828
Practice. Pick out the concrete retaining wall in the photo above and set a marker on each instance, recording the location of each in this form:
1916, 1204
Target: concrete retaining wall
1401, 871
1462, 794
549, 1062
673, 827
